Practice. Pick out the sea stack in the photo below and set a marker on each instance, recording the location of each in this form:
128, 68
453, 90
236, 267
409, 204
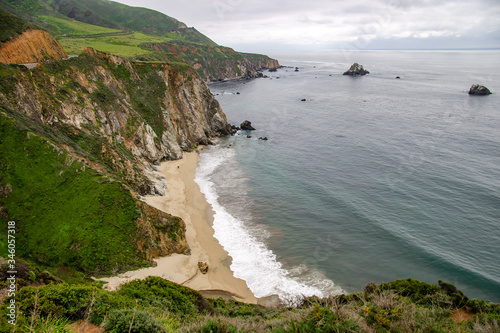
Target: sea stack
356, 69
247, 125
477, 89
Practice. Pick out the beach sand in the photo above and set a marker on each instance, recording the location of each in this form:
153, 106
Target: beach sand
184, 199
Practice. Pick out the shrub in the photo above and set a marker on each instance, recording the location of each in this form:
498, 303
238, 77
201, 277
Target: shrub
218, 326
161, 293
131, 321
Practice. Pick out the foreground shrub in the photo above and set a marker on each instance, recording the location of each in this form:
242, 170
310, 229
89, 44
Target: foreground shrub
131, 321
161, 293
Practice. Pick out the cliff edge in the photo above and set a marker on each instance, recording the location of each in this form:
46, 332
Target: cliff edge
31, 46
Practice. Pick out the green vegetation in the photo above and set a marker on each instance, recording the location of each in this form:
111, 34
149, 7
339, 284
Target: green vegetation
157, 305
44, 183
11, 26
121, 45
66, 26
138, 33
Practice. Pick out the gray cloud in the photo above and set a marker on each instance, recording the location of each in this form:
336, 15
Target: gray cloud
250, 24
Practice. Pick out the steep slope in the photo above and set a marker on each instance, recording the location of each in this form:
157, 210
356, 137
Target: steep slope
22, 42
214, 63
78, 140
12, 26
119, 16
31, 46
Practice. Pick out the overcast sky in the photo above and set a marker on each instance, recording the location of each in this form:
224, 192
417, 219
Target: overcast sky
260, 25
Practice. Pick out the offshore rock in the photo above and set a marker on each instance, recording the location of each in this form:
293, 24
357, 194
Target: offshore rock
356, 69
247, 126
477, 89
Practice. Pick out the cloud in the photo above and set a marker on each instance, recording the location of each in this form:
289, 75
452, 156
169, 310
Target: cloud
323, 23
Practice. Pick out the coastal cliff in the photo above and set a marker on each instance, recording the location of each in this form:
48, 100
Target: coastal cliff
214, 63
151, 112
79, 141
31, 46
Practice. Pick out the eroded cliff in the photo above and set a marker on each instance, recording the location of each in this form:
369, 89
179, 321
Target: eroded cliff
125, 116
214, 63
79, 141
31, 46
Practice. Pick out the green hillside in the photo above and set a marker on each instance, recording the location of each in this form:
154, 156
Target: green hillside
12, 26
138, 33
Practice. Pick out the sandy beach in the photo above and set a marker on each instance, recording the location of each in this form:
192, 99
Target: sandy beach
184, 199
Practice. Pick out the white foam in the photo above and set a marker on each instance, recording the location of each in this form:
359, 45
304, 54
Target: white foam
252, 261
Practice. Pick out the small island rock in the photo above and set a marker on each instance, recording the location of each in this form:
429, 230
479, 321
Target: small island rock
247, 125
356, 69
477, 89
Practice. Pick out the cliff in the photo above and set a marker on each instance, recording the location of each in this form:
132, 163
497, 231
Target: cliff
213, 63
151, 112
78, 142
31, 46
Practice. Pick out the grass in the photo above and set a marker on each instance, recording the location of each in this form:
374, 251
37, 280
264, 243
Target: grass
65, 214
121, 45
67, 26
12, 26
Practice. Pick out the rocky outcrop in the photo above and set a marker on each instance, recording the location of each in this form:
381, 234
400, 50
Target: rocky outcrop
356, 69
160, 234
477, 89
127, 116
216, 63
31, 46
247, 126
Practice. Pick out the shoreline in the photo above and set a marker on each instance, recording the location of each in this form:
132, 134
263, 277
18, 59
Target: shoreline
184, 199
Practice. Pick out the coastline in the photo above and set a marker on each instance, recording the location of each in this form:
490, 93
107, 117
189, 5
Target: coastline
183, 198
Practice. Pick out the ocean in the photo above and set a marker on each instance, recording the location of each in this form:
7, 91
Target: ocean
370, 179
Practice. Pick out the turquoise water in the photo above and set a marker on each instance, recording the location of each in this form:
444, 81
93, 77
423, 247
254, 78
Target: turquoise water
370, 179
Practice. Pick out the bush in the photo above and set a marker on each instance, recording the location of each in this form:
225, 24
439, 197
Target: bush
161, 293
419, 292
71, 301
218, 326
131, 321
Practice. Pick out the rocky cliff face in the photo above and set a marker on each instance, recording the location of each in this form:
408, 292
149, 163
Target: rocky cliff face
98, 112
214, 63
122, 116
31, 46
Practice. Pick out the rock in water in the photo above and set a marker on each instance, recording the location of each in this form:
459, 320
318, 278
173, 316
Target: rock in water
477, 89
247, 125
356, 69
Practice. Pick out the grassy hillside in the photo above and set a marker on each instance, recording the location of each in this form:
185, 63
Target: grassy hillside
66, 26
41, 184
11, 26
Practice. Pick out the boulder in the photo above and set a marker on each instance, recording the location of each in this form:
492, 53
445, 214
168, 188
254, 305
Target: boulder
203, 266
477, 89
356, 69
247, 125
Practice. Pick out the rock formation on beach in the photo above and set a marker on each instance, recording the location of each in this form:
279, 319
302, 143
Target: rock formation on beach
477, 89
356, 69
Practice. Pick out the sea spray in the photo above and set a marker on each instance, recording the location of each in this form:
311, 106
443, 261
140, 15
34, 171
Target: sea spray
252, 261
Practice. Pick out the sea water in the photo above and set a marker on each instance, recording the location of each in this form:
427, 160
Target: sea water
370, 178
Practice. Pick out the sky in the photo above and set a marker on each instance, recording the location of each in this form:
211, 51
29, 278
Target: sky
262, 25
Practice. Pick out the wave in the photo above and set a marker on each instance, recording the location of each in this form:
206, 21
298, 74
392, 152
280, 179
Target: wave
252, 261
